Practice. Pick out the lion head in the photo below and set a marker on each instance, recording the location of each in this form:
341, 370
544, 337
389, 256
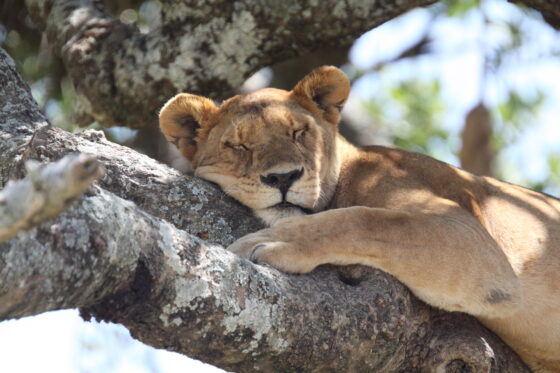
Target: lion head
272, 150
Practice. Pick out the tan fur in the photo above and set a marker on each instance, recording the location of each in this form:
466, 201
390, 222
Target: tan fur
458, 241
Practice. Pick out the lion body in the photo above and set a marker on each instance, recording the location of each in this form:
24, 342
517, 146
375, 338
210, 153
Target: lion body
523, 223
460, 242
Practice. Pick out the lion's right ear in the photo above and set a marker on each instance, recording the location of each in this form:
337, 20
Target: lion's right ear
325, 90
183, 120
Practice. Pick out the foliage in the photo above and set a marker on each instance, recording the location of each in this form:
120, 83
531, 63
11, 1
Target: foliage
514, 114
417, 111
416, 108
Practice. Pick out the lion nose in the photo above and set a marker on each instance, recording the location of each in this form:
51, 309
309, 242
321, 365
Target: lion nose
282, 181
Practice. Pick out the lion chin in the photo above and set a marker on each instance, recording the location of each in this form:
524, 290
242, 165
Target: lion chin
273, 214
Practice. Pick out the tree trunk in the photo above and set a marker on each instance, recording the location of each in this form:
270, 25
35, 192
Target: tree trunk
123, 254
476, 154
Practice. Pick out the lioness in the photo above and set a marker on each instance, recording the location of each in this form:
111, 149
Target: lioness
460, 242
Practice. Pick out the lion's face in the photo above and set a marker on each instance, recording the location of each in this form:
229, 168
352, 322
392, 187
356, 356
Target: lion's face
270, 154
272, 150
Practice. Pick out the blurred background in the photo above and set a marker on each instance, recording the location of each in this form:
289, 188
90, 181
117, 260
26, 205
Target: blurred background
474, 83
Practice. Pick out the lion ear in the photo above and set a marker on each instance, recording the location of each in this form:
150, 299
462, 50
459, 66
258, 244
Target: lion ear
185, 121
325, 89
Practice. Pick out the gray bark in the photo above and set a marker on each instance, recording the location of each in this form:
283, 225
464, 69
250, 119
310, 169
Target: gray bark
123, 254
45, 192
122, 77
209, 47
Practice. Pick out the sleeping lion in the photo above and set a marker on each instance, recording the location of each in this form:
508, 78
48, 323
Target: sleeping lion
460, 242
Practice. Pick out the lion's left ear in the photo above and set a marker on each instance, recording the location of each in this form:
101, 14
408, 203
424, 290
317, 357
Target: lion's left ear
325, 90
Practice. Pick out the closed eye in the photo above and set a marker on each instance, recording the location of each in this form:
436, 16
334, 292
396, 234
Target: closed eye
298, 133
236, 146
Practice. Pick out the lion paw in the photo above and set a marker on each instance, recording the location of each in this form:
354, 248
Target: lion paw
262, 249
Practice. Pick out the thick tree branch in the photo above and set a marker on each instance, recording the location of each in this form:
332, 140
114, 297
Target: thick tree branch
550, 10
122, 77
20, 117
174, 291
45, 192
189, 203
121, 262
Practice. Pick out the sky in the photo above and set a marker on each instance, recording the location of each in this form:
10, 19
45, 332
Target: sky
61, 342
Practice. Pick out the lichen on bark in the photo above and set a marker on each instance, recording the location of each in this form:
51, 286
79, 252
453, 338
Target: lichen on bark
122, 77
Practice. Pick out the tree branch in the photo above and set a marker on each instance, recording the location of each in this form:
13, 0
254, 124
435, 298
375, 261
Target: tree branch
550, 10
121, 262
122, 77
45, 192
